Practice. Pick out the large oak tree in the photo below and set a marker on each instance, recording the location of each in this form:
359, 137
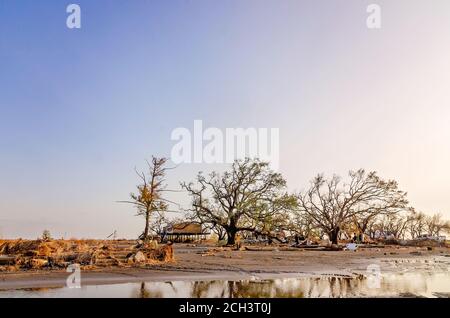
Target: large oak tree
332, 204
248, 197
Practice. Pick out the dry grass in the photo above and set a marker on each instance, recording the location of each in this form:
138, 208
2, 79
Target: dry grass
54, 254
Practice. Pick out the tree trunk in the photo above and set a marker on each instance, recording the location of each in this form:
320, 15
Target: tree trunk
231, 235
333, 235
147, 221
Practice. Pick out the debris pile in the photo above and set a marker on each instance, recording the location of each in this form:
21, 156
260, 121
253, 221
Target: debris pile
58, 254
36, 254
427, 243
151, 252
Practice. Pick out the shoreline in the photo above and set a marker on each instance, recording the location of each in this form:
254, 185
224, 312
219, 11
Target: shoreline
193, 264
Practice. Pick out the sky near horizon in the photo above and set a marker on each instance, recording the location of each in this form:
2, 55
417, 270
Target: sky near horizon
80, 108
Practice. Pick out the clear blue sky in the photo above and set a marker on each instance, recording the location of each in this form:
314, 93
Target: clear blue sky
79, 109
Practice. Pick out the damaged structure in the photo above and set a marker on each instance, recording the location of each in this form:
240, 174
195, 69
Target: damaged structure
185, 232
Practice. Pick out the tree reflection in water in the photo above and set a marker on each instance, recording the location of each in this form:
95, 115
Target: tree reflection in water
323, 286
412, 284
145, 293
288, 288
153, 292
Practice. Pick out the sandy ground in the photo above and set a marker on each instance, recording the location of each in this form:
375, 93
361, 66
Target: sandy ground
207, 263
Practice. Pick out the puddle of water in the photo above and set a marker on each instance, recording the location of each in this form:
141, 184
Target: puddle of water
393, 285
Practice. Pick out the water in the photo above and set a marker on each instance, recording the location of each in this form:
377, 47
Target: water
392, 285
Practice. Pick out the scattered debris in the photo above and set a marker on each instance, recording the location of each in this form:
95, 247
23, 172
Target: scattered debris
7, 260
54, 254
311, 246
139, 257
289, 249
10, 268
259, 248
351, 247
376, 246
335, 247
209, 253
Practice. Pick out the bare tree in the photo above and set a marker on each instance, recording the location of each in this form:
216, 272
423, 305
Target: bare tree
220, 232
158, 224
149, 197
392, 224
239, 199
301, 224
435, 224
371, 228
272, 217
416, 223
331, 204
362, 221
